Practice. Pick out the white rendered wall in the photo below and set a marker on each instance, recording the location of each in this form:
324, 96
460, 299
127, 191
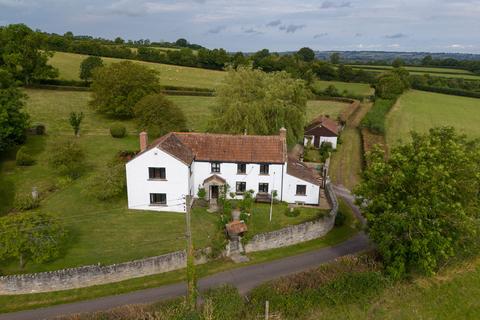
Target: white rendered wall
139, 187
332, 140
252, 177
290, 190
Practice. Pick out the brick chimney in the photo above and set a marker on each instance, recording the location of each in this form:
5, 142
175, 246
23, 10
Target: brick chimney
283, 132
143, 141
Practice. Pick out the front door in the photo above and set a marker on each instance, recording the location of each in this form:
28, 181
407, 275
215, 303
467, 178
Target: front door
214, 192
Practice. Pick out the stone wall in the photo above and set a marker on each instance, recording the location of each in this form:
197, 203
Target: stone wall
297, 233
95, 274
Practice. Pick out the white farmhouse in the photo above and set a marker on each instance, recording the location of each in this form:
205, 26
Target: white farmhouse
179, 163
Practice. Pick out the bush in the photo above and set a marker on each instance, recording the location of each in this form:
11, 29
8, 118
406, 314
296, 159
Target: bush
39, 129
118, 131
224, 303
201, 193
244, 217
66, 157
340, 219
109, 183
25, 201
292, 212
23, 158
374, 120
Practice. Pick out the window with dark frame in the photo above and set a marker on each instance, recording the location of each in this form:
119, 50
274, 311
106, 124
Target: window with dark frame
263, 187
158, 198
157, 173
241, 168
241, 187
216, 167
264, 169
301, 190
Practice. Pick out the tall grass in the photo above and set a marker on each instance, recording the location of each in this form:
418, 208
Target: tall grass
375, 118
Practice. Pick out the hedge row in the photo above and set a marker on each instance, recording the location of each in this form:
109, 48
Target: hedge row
374, 120
61, 82
455, 92
56, 87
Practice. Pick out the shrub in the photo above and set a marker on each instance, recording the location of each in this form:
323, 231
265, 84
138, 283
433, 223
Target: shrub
118, 131
340, 219
23, 158
292, 212
201, 193
325, 149
244, 216
25, 201
374, 120
39, 129
109, 183
66, 157
226, 303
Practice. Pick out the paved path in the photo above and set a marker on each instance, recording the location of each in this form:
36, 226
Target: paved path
244, 278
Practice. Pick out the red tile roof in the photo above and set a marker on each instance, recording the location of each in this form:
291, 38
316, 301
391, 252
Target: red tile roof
300, 170
325, 122
223, 147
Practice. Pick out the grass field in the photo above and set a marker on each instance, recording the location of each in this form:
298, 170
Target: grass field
362, 89
419, 111
68, 65
436, 72
105, 232
316, 108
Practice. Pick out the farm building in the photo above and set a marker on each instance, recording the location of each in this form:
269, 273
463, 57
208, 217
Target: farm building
321, 129
181, 163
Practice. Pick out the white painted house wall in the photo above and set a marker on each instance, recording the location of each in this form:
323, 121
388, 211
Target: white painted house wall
228, 171
290, 190
332, 140
139, 187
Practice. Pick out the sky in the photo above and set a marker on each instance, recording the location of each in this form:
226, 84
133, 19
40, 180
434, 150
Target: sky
251, 25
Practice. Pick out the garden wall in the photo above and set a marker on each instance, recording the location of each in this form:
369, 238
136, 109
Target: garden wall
95, 274
297, 233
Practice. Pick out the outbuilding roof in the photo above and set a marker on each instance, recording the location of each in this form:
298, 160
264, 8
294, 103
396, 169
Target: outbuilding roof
323, 121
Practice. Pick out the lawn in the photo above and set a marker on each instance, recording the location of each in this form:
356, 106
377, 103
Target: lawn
362, 89
316, 108
29, 301
419, 111
68, 65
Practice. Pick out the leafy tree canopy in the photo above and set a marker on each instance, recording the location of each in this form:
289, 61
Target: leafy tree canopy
422, 202
30, 236
306, 54
88, 65
13, 119
118, 87
20, 53
389, 85
157, 115
260, 103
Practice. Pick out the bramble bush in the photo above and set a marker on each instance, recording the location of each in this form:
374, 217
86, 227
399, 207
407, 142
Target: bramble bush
118, 130
110, 182
23, 158
25, 201
66, 157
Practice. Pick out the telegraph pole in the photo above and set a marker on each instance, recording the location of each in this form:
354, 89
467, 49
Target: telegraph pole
191, 276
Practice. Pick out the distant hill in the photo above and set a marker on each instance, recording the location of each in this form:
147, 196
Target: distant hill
388, 56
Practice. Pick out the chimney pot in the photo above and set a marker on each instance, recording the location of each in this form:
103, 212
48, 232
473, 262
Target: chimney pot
283, 132
143, 141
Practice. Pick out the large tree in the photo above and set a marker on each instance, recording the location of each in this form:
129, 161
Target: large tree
422, 201
157, 115
13, 119
21, 54
306, 54
260, 103
30, 236
88, 65
118, 87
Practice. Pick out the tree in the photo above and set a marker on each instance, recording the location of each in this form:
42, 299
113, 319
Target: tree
30, 236
13, 120
88, 65
66, 157
181, 42
157, 115
75, 121
398, 62
23, 55
421, 202
119, 40
306, 54
427, 60
260, 103
335, 58
118, 87
389, 85
110, 182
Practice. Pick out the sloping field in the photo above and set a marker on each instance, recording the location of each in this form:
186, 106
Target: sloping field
436, 72
68, 65
316, 108
419, 111
363, 89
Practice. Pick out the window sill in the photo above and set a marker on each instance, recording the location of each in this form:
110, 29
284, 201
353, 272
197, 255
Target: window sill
241, 173
239, 193
157, 205
300, 195
156, 179
215, 172
264, 174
